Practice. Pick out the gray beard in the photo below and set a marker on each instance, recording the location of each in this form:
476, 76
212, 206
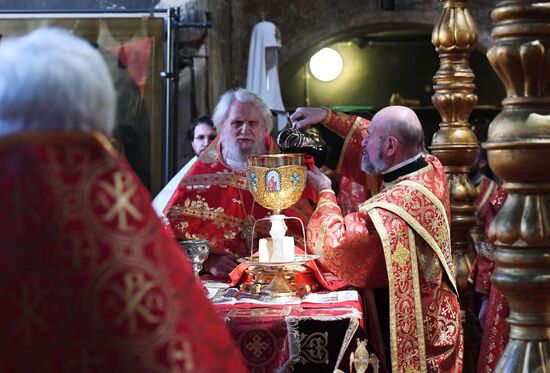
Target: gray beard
372, 168
235, 158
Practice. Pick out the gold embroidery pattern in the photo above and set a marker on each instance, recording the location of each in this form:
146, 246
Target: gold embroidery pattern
429, 263
257, 346
100, 277
209, 155
441, 234
199, 209
413, 221
442, 319
182, 225
313, 348
384, 238
80, 254
228, 234
401, 255
200, 204
30, 300
417, 298
319, 243
117, 200
222, 179
113, 202
132, 302
440, 214
259, 312
406, 319
75, 159
180, 354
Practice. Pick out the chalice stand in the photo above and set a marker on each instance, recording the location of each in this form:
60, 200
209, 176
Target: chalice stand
277, 181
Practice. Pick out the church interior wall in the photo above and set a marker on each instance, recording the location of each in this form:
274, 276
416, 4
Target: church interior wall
220, 60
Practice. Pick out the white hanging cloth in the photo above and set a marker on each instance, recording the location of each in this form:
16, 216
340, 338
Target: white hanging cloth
263, 76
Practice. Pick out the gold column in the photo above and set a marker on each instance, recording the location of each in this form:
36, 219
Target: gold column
455, 144
518, 148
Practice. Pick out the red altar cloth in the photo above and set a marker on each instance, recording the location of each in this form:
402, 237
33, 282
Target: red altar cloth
304, 337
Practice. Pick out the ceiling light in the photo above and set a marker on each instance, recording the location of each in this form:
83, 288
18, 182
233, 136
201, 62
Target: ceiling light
326, 65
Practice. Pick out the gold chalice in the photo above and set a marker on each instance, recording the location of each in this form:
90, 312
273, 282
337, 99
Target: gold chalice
277, 181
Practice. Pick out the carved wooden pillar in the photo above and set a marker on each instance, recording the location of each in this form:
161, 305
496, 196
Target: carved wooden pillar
455, 144
518, 148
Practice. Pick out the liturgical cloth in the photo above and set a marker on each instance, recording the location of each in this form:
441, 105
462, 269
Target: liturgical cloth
91, 279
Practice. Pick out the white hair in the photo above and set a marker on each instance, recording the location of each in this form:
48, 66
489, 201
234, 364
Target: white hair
51, 80
241, 95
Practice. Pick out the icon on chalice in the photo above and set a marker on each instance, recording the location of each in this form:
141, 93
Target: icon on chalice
277, 181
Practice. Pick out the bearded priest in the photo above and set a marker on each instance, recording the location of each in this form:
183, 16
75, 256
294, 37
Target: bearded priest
212, 200
398, 240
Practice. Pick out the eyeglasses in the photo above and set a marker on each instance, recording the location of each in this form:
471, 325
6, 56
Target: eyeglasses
204, 137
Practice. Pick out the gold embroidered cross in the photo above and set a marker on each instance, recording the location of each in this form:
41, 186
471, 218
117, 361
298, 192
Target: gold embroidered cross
257, 346
140, 299
117, 198
400, 255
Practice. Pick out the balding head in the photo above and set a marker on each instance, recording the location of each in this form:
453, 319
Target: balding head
403, 123
396, 135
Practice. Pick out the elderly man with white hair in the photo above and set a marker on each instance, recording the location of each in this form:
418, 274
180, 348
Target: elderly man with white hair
213, 201
91, 280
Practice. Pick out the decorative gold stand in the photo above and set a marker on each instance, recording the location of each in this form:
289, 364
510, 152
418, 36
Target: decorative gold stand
279, 289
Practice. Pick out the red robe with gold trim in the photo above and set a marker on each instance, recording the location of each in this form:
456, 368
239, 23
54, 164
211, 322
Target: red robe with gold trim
355, 185
91, 279
213, 202
401, 238
495, 329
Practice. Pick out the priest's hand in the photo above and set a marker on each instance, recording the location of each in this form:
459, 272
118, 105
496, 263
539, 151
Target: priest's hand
219, 264
305, 117
318, 180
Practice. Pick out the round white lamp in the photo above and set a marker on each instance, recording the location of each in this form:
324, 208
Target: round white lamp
326, 65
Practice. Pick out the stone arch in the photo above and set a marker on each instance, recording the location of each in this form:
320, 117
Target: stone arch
294, 45
304, 24
375, 20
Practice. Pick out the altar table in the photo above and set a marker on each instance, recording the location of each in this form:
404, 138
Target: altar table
315, 334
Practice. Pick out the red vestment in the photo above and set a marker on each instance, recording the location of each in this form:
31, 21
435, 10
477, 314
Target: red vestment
213, 202
483, 266
401, 239
495, 328
91, 279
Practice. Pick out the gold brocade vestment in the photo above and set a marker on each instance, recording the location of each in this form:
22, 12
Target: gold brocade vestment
213, 202
91, 279
407, 225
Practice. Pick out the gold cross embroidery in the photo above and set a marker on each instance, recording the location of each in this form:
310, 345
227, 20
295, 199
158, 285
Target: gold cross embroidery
120, 191
140, 301
401, 255
257, 346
